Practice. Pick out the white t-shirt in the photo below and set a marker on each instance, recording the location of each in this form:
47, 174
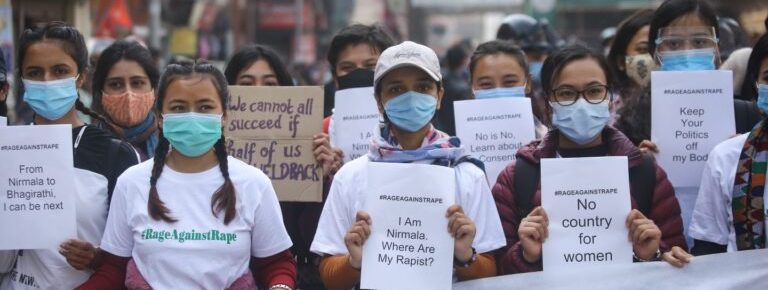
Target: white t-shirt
198, 251
712, 219
347, 194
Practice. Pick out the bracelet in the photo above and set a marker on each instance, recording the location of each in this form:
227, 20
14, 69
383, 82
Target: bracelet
472, 259
279, 286
655, 257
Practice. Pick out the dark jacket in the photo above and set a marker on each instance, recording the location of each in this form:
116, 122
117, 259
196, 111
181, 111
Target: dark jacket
664, 211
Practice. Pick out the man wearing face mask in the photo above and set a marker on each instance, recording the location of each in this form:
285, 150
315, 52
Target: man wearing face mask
352, 55
408, 91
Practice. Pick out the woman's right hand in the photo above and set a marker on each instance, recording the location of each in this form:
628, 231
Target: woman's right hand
355, 238
533, 231
648, 146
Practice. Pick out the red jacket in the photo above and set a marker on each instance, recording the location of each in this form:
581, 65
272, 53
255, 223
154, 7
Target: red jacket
665, 210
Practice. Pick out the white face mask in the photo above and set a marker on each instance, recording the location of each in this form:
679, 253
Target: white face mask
639, 68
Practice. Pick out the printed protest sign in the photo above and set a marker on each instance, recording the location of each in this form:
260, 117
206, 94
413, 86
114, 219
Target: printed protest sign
272, 128
37, 209
691, 112
587, 210
493, 130
409, 246
354, 119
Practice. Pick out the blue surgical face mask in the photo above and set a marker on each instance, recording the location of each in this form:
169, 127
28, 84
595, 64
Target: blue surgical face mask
688, 60
762, 98
411, 111
581, 122
535, 70
192, 134
51, 99
509, 92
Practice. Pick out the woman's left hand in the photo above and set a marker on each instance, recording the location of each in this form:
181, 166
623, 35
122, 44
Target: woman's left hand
330, 158
644, 235
463, 230
79, 254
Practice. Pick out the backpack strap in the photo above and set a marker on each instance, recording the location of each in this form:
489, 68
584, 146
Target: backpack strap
642, 183
526, 183
470, 159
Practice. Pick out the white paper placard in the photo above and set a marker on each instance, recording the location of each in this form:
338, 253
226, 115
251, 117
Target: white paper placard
691, 112
355, 117
3, 121
37, 209
744, 269
409, 246
587, 211
492, 130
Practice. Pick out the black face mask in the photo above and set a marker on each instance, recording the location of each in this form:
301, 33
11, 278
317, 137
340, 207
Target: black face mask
358, 78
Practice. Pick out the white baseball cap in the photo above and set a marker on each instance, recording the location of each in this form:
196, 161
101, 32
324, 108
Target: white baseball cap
405, 54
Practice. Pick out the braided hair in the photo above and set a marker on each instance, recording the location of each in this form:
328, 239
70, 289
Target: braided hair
70, 40
224, 198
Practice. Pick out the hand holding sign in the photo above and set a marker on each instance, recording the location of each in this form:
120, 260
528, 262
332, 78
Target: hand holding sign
356, 236
644, 235
533, 231
325, 154
463, 230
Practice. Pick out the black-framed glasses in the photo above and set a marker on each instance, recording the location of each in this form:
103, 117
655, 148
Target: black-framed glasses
594, 94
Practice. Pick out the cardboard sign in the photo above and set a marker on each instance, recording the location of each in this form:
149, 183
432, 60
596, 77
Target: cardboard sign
272, 128
409, 246
587, 211
355, 118
691, 112
493, 130
37, 189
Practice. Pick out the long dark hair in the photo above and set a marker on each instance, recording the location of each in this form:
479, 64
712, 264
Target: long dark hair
224, 198
759, 53
70, 40
618, 53
121, 50
673, 9
635, 117
245, 57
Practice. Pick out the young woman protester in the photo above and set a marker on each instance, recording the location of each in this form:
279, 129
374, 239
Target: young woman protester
408, 90
629, 57
729, 214
193, 217
499, 69
683, 36
124, 83
578, 83
52, 65
259, 65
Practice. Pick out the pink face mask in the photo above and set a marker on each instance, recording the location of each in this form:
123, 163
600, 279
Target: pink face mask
128, 109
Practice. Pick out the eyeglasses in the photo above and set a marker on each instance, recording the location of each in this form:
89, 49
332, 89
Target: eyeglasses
594, 94
683, 38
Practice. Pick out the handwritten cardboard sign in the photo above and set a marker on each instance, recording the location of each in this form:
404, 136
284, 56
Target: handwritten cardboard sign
272, 128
